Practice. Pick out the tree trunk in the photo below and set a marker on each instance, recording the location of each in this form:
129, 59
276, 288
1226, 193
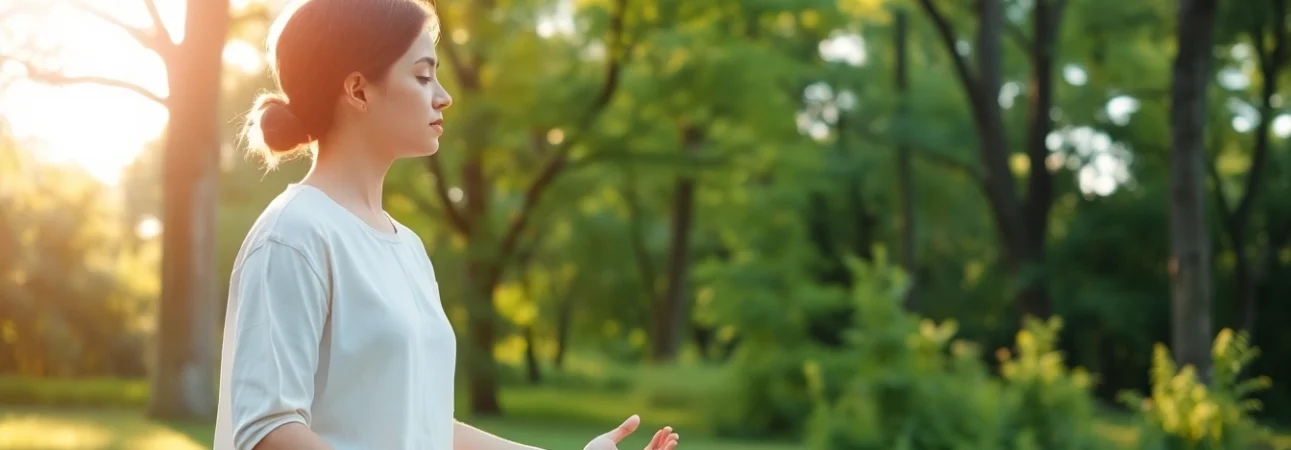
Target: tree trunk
670, 311
482, 329
1021, 223
184, 381
1189, 239
532, 370
564, 321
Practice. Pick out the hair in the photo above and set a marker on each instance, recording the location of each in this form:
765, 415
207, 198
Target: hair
315, 45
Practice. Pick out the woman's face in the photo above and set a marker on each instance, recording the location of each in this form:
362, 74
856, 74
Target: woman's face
406, 110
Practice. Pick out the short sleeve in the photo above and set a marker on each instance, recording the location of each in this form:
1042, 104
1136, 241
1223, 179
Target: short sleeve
281, 311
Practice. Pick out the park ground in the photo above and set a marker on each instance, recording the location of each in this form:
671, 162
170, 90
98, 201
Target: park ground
108, 415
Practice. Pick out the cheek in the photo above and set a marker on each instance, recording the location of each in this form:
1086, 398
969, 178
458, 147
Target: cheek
414, 105
404, 112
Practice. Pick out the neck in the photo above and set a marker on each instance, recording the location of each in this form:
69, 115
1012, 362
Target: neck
349, 171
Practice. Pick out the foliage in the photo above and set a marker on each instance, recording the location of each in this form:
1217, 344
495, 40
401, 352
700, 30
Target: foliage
912, 385
797, 170
75, 297
100, 392
1185, 412
1052, 406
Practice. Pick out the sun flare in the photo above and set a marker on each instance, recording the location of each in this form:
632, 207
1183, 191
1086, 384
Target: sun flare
99, 128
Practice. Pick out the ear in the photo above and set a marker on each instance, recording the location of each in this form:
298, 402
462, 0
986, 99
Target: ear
354, 91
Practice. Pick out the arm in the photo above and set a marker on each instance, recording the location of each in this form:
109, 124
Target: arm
292, 436
282, 306
466, 437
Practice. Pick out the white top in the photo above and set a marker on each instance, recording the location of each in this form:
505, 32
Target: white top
336, 325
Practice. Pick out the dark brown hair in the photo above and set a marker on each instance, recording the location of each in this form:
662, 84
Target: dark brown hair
314, 47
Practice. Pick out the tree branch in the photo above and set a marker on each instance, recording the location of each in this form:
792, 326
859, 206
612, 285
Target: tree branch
1019, 38
157, 39
1270, 63
560, 159
1221, 202
441, 190
948, 161
158, 26
947, 35
56, 78
468, 76
425, 206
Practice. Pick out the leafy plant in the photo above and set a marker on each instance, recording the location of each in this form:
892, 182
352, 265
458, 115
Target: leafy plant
1184, 412
912, 385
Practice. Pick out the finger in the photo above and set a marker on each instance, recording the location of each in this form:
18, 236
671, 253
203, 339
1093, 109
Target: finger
618, 434
660, 437
657, 440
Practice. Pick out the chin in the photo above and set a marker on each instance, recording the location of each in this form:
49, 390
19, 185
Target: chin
423, 150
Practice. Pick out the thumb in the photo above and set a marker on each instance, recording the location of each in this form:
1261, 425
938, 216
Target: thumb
618, 434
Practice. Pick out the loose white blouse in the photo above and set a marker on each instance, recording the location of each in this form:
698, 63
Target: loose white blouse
336, 325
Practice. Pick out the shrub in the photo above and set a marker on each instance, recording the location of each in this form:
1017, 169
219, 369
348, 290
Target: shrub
1184, 413
911, 385
1051, 405
73, 392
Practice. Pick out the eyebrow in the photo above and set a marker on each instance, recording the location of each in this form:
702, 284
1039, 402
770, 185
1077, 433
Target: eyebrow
434, 63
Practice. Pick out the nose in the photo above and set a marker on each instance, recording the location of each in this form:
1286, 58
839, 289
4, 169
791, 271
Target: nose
442, 100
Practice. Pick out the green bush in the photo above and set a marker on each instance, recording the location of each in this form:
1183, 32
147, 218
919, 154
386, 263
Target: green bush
1183, 413
1051, 406
911, 385
76, 392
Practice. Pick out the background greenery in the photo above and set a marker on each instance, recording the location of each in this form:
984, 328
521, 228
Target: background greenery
742, 219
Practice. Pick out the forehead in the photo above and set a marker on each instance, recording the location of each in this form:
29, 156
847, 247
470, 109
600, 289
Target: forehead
423, 47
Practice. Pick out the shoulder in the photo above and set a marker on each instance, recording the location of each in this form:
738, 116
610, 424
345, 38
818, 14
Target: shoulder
297, 218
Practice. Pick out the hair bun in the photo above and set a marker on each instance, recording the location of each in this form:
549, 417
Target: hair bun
280, 128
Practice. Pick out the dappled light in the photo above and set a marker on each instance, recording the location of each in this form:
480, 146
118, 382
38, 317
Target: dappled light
771, 225
23, 429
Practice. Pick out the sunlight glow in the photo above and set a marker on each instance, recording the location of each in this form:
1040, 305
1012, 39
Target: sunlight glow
846, 48
244, 56
1282, 126
1101, 164
100, 128
97, 127
148, 228
557, 22
1075, 75
1120, 108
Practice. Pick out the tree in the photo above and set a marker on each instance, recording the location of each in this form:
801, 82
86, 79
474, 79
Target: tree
1265, 23
490, 252
1021, 220
183, 379
1190, 273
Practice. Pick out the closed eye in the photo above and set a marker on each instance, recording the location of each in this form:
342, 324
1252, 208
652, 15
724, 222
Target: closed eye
424, 80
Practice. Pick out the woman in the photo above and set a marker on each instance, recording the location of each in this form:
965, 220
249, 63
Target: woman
334, 336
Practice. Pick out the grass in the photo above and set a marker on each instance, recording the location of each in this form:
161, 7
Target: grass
37, 428
40, 428
107, 414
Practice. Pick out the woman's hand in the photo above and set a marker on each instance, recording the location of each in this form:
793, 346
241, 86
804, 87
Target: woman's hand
664, 439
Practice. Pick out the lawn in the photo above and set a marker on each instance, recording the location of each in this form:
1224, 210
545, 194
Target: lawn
36, 428
107, 414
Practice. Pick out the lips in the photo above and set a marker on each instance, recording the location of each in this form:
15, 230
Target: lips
439, 122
